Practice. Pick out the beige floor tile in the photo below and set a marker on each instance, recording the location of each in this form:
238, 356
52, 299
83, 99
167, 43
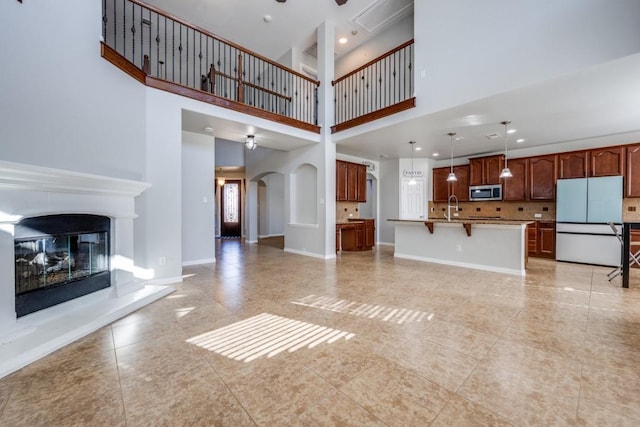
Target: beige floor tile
426, 343
397, 395
615, 389
461, 412
592, 413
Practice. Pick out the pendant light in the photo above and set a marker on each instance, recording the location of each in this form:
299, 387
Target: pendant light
412, 181
452, 176
250, 143
506, 173
220, 178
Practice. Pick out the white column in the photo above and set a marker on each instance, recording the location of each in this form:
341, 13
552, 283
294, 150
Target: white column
327, 193
7, 285
252, 213
122, 265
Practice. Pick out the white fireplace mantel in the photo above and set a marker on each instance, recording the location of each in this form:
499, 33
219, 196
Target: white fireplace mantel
28, 191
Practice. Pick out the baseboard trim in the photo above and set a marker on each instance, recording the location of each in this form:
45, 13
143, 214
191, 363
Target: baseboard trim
385, 244
266, 236
310, 254
463, 264
198, 262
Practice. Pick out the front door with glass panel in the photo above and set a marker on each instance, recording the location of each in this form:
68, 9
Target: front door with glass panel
230, 209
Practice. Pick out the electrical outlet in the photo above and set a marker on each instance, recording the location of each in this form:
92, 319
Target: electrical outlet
162, 260
456, 214
537, 215
458, 248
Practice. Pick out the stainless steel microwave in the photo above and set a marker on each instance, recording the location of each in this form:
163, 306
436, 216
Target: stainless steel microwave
485, 192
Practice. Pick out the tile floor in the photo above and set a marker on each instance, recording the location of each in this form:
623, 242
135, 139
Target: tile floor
270, 338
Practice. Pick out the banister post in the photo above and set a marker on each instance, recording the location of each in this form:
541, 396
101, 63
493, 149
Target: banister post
145, 65
240, 86
212, 79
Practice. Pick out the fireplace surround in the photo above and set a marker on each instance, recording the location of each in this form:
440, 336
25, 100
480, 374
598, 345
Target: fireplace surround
28, 196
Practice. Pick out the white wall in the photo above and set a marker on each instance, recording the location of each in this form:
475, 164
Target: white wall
272, 214
389, 199
62, 105
394, 36
468, 49
198, 199
229, 153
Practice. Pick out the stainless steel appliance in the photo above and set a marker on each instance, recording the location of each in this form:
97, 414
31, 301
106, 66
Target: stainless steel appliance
485, 192
584, 206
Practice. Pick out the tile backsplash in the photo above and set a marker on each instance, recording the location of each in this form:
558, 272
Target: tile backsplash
346, 210
498, 209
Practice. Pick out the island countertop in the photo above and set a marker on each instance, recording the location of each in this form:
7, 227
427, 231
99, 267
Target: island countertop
467, 220
496, 245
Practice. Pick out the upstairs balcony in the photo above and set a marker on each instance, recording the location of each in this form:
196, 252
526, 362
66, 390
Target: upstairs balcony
167, 53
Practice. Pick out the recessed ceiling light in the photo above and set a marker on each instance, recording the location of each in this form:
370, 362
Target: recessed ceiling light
512, 131
266, 18
459, 138
520, 140
208, 129
418, 148
384, 156
435, 154
342, 40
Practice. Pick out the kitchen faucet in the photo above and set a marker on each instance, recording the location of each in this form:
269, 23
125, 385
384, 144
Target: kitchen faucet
449, 206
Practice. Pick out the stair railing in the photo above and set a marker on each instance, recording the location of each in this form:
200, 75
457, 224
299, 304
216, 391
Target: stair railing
168, 48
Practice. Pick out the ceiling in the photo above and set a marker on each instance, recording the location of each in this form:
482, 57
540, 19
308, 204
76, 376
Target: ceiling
599, 101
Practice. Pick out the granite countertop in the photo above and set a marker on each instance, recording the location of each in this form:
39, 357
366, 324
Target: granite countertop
467, 221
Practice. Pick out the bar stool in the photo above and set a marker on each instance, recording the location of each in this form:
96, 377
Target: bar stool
634, 257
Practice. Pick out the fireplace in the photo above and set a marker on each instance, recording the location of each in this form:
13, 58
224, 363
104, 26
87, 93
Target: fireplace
66, 259
59, 258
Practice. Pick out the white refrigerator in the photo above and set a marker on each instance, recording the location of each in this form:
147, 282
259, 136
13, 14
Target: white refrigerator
584, 206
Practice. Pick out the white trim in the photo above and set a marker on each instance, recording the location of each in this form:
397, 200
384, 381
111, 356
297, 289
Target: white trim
251, 241
50, 333
385, 244
198, 262
19, 176
462, 264
295, 225
310, 254
166, 281
264, 236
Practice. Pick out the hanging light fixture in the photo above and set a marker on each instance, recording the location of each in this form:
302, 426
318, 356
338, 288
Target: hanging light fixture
452, 176
412, 181
250, 143
506, 173
220, 179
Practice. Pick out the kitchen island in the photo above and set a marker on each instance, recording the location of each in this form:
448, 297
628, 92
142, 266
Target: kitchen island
491, 245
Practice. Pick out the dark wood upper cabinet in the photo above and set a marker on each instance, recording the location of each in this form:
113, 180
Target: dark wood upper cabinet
573, 165
632, 178
493, 166
440, 184
485, 170
362, 183
607, 161
341, 181
515, 188
542, 177
442, 189
460, 188
351, 182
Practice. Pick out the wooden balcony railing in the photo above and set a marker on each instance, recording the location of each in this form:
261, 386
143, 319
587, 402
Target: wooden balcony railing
168, 53
377, 89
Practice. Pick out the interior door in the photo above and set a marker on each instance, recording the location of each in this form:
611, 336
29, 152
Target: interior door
230, 209
413, 203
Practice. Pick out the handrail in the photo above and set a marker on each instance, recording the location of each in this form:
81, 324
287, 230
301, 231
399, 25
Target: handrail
377, 89
213, 36
167, 48
373, 61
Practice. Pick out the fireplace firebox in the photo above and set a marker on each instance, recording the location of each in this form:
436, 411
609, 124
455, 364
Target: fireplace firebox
59, 258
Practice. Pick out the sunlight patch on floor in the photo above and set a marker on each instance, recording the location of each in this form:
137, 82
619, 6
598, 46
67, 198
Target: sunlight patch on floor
371, 311
266, 335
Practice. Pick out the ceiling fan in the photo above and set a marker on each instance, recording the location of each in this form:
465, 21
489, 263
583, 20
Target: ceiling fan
339, 2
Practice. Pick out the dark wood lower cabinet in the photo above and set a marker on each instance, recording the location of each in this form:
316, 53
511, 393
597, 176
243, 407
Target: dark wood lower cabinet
542, 239
356, 235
